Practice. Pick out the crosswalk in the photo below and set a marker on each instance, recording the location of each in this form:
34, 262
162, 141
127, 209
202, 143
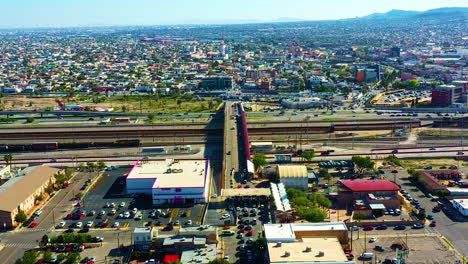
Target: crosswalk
31, 230
21, 245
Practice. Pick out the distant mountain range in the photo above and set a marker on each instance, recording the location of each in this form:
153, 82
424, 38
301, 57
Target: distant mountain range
439, 13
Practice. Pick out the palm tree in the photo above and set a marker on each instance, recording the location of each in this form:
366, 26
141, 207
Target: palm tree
8, 158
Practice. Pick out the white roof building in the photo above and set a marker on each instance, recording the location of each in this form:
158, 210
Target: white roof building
171, 181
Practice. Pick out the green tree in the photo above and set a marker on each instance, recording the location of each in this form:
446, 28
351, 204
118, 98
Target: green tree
421, 215
308, 155
413, 84
218, 261
72, 258
8, 158
61, 257
69, 172
20, 217
151, 117
29, 257
91, 166
359, 216
47, 255
322, 200
295, 193
30, 119
314, 214
44, 241
101, 165
259, 160
259, 244
363, 163
60, 178
323, 172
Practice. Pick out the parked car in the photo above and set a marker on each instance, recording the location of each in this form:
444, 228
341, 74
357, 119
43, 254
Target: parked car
381, 227
379, 248
400, 227
368, 228
418, 226
433, 223
32, 225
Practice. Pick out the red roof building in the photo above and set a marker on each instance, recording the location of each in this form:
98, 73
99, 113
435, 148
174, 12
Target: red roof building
361, 194
171, 258
370, 185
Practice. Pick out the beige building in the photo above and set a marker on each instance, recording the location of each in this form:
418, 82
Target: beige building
19, 192
307, 250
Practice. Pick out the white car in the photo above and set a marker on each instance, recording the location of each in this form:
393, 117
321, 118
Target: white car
61, 224
373, 239
79, 224
113, 211
189, 222
89, 224
38, 212
127, 215
134, 210
116, 224
122, 204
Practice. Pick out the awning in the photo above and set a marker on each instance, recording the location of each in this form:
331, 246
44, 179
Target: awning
377, 206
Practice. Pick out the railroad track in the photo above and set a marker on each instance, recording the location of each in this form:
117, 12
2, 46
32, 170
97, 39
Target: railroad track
140, 133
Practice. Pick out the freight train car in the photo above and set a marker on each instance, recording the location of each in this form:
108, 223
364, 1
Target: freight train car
44, 146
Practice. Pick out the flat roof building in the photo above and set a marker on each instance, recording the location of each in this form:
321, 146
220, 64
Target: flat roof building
307, 250
461, 205
293, 232
171, 181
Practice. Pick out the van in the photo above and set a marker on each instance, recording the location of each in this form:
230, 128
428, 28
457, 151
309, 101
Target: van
367, 255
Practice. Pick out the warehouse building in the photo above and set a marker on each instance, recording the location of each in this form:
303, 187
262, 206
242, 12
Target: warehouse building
19, 192
171, 181
294, 176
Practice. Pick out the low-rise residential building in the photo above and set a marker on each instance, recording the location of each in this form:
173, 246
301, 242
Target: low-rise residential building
19, 193
431, 178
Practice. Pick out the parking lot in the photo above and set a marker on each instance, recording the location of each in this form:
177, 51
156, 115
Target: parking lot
106, 204
247, 215
423, 249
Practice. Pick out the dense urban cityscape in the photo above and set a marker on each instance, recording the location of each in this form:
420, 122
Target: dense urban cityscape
334, 141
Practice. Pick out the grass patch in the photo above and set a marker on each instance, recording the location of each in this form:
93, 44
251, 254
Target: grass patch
422, 163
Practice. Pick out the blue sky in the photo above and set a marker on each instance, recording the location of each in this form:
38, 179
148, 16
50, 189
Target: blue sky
66, 13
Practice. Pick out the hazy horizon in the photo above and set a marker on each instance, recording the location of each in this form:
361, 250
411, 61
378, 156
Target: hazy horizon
89, 13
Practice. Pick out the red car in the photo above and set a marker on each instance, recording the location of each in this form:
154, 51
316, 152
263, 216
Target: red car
368, 228
104, 225
247, 186
33, 224
250, 233
433, 224
69, 216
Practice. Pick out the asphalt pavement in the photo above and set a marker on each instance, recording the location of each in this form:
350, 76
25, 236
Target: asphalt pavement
455, 230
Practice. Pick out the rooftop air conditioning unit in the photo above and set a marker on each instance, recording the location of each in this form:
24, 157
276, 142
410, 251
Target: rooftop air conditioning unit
278, 244
287, 254
321, 254
308, 249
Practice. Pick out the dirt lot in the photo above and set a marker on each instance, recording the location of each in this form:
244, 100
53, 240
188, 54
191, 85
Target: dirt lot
424, 249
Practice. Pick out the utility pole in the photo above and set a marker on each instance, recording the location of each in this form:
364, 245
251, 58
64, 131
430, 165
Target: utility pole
365, 242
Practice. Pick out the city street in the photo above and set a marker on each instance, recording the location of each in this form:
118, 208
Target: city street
455, 231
